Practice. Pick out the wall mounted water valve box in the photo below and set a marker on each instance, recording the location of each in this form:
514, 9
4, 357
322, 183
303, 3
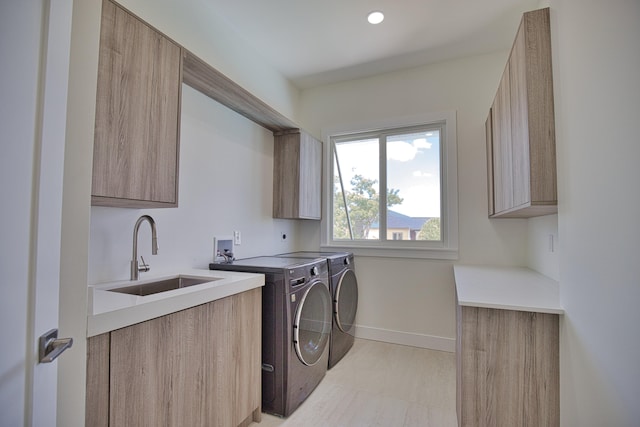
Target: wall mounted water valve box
222, 249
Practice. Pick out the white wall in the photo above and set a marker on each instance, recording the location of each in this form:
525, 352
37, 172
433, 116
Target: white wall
20, 37
416, 298
226, 184
544, 245
596, 69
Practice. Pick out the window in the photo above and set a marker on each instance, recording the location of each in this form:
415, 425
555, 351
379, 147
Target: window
415, 213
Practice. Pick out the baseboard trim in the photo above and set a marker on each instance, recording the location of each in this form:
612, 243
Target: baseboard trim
406, 338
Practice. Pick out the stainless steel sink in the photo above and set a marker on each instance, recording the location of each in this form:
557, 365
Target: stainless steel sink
164, 285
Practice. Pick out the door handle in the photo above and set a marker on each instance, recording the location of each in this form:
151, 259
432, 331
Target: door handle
50, 347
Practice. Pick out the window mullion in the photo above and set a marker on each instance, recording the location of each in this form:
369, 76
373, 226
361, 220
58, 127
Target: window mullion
382, 199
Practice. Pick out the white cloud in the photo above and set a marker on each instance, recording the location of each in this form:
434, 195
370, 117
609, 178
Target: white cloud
419, 201
422, 174
400, 151
361, 158
421, 143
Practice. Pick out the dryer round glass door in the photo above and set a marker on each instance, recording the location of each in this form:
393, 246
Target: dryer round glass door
312, 324
346, 301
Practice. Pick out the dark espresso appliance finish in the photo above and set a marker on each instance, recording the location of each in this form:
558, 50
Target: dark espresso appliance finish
296, 327
344, 293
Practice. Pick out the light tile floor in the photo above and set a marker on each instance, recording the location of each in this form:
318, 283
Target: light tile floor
381, 384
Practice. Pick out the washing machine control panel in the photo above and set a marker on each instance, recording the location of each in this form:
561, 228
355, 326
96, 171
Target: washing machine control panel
297, 281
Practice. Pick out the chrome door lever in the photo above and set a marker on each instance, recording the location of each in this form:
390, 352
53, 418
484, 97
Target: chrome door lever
50, 347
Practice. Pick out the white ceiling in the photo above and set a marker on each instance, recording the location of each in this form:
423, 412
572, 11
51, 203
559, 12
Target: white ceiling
315, 42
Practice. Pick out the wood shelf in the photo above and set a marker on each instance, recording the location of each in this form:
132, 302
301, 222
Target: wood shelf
211, 82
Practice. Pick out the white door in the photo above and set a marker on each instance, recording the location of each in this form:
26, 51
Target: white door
34, 47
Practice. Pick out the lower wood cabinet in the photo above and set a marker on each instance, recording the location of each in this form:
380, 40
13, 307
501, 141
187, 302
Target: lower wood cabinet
196, 367
507, 368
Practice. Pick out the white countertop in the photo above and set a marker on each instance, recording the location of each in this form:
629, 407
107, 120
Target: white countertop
508, 288
112, 310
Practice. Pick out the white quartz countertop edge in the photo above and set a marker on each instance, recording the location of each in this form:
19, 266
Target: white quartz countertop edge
507, 288
109, 311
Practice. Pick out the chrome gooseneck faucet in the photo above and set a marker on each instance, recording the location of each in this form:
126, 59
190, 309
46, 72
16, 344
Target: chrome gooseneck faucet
135, 268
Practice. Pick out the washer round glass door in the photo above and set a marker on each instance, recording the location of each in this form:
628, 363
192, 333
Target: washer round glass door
346, 301
312, 324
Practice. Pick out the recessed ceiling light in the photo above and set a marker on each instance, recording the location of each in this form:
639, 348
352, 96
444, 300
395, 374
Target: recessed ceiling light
375, 17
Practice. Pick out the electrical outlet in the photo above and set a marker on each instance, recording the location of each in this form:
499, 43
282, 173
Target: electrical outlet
237, 237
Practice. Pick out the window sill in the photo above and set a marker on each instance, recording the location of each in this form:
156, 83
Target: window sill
399, 252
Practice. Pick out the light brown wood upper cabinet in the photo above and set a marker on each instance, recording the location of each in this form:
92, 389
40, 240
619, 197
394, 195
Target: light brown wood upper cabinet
136, 146
522, 137
297, 175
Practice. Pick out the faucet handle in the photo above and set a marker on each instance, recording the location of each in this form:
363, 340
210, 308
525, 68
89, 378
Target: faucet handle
144, 266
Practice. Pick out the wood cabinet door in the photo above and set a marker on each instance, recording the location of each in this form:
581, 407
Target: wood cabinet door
488, 127
502, 161
310, 177
196, 367
519, 103
508, 364
297, 176
97, 396
137, 114
540, 109
247, 359
167, 371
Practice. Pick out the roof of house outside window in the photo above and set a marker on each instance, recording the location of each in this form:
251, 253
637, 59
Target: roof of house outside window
398, 220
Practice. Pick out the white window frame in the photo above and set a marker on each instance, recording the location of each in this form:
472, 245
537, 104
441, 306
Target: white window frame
447, 248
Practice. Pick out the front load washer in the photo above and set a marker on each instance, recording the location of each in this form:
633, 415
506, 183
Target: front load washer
344, 293
296, 327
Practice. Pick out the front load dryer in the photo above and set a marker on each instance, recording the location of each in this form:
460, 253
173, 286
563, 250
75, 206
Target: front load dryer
296, 327
344, 293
